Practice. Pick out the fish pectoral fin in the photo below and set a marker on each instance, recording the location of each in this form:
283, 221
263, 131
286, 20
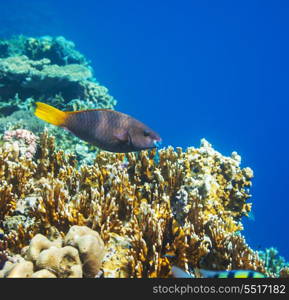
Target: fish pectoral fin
123, 136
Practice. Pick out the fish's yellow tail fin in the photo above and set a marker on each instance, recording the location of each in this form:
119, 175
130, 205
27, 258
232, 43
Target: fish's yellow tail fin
50, 114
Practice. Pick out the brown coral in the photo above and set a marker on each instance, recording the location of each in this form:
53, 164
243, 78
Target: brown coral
90, 246
284, 272
185, 203
64, 262
45, 258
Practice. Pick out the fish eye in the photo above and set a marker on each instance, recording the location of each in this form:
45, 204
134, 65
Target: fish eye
146, 133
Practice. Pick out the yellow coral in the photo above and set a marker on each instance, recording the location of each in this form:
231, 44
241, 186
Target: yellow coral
186, 203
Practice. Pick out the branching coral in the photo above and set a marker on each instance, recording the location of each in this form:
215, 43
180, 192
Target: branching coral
152, 210
274, 263
143, 212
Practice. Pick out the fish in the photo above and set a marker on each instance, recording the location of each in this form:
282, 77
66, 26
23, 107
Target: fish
170, 254
231, 274
179, 273
107, 129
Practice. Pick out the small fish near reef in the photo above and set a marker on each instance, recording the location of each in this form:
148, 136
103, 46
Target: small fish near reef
107, 129
179, 273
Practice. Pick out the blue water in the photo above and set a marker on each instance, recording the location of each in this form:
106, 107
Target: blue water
191, 69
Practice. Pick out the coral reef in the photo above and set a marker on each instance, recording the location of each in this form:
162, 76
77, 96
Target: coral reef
21, 141
57, 49
23, 269
52, 70
274, 263
22, 80
90, 247
21, 119
57, 258
151, 209
81, 212
284, 272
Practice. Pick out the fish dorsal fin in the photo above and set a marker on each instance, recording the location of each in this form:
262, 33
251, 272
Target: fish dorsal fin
86, 110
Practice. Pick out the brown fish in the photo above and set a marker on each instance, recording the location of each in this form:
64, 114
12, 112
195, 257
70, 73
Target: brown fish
107, 129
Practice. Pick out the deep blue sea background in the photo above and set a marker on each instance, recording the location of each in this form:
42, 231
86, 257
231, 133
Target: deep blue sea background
191, 69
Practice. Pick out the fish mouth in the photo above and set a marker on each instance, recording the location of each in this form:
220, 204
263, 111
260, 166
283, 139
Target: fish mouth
157, 143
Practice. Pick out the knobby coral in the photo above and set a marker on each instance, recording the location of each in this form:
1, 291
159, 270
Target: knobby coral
21, 141
152, 209
56, 258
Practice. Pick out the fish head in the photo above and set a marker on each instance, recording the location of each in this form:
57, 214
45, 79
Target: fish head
142, 137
